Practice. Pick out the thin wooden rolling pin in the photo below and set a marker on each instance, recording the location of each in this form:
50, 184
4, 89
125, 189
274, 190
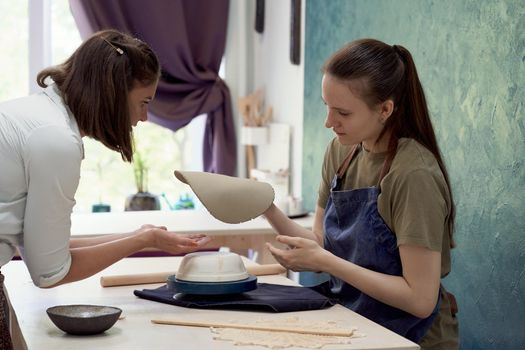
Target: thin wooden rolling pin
161, 277
341, 333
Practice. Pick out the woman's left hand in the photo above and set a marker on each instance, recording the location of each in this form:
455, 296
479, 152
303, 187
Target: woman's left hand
302, 255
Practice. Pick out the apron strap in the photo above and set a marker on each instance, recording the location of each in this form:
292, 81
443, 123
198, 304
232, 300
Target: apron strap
5, 335
346, 162
386, 167
453, 304
392, 147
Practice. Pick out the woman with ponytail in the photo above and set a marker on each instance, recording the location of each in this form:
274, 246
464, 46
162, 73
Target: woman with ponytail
385, 214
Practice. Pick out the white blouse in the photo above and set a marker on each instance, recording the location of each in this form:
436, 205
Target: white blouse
40, 155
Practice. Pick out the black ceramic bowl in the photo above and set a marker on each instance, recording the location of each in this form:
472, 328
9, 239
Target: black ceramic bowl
83, 319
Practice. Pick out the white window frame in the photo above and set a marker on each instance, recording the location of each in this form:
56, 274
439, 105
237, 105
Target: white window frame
39, 39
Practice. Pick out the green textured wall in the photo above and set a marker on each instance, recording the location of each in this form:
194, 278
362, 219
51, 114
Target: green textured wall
471, 60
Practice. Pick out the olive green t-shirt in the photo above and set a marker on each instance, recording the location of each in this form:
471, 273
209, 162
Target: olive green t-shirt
414, 203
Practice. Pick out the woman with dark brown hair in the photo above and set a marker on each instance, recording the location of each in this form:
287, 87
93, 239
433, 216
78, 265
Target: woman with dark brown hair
385, 214
101, 92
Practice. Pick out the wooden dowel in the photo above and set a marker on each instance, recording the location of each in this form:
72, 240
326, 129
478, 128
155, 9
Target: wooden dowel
161, 277
263, 270
127, 280
342, 333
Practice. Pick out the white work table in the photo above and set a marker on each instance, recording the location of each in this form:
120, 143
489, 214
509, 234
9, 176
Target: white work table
34, 330
239, 237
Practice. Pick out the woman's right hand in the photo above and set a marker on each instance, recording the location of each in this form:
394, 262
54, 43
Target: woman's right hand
302, 254
159, 237
285, 226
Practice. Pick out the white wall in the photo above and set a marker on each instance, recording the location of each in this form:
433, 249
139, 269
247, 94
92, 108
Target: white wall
282, 81
238, 62
256, 60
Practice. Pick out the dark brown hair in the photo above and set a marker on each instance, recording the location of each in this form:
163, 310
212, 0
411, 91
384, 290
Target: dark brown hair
95, 81
385, 72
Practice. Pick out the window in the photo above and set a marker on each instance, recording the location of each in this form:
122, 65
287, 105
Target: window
14, 33
104, 176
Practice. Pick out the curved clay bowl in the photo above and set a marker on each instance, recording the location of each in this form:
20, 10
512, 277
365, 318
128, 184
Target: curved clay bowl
83, 319
212, 267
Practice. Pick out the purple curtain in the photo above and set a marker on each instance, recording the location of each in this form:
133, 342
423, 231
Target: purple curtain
189, 36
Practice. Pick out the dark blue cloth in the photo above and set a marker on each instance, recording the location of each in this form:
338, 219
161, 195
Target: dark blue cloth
355, 231
267, 297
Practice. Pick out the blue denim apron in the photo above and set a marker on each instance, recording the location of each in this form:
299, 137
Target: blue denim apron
355, 231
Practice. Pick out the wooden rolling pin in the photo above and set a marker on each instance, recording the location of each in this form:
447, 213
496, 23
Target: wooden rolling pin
161, 277
336, 333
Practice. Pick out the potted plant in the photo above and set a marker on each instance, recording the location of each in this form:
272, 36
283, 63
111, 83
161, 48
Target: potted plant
142, 200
